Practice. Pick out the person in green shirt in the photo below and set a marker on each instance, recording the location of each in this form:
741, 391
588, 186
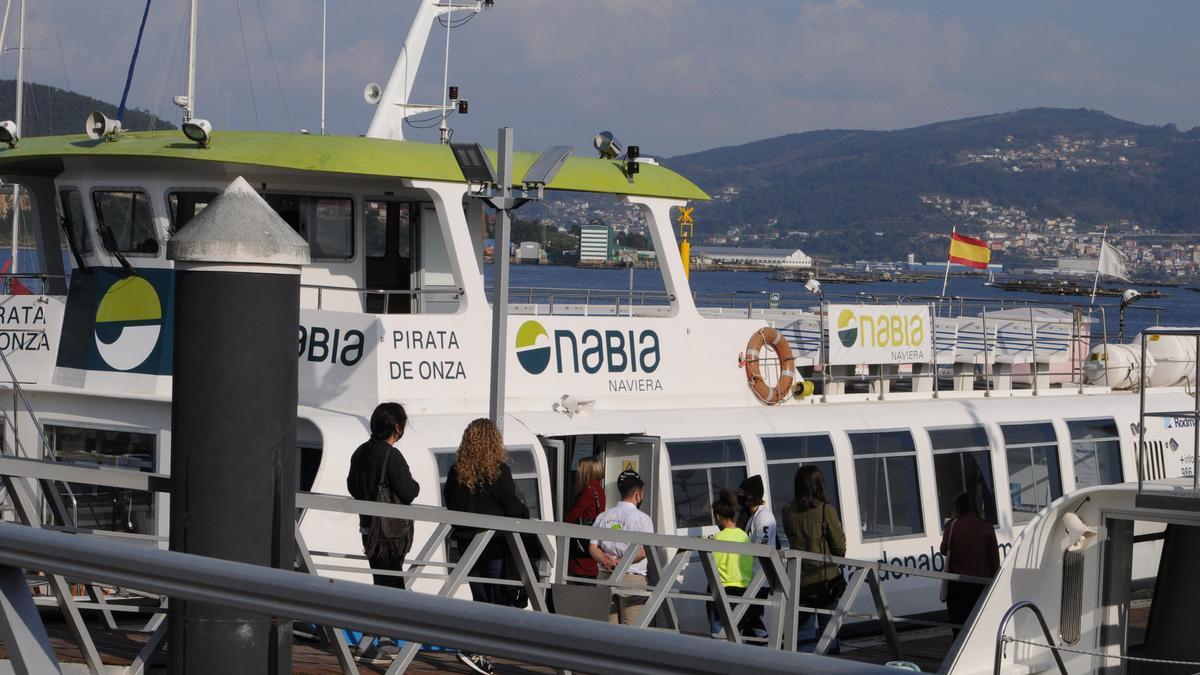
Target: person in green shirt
735, 570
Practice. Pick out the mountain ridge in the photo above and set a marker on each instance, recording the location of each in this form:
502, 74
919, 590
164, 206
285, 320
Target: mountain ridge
1049, 162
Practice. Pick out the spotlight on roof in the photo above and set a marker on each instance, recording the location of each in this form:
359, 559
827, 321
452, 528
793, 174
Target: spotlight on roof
198, 131
9, 133
607, 145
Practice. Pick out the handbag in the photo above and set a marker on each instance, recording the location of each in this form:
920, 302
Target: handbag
388, 539
579, 547
827, 591
945, 592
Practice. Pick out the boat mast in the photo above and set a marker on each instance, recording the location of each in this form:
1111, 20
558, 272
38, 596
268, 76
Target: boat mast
190, 108
393, 105
16, 220
324, 15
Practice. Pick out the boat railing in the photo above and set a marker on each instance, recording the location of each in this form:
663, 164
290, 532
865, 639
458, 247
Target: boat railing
1170, 495
1003, 639
382, 300
681, 571
587, 301
33, 283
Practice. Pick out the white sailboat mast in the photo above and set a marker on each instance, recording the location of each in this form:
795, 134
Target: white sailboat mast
190, 109
393, 107
20, 118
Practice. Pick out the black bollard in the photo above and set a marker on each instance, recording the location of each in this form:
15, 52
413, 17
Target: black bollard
233, 421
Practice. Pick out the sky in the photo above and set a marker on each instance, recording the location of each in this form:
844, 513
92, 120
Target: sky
673, 76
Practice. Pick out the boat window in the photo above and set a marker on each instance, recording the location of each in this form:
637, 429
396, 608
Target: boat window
309, 464
962, 462
1033, 474
520, 462
187, 204
375, 224
889, 493
699, 471
1096, 452
126, 222
327, 223
785, 455
75, 221
107, 508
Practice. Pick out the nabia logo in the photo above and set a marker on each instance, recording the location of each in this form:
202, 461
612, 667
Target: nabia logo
905, 331
590, 351
128, 323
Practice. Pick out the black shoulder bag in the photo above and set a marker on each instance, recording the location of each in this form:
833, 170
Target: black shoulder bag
388, 539
827, 591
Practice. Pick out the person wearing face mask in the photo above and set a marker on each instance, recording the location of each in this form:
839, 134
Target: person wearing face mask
758, 521
607, 554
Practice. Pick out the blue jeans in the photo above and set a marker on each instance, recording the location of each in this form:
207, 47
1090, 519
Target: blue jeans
492, 568
810, 627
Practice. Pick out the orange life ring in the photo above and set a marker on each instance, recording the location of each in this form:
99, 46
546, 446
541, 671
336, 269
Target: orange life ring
773, 340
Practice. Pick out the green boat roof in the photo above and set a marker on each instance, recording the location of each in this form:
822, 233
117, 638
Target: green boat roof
348, 155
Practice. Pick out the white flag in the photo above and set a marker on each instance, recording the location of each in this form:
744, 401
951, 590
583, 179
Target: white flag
1112, 262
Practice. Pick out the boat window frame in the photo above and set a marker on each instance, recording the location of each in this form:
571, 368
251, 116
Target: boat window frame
355, 219
167, 203
158, 516
919, 495
707, 467
988, 447
509, 449
84, 252
1116, 437
830, 482
159, 239
1055, 455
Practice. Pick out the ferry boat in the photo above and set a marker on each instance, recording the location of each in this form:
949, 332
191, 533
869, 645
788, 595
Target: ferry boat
903, 406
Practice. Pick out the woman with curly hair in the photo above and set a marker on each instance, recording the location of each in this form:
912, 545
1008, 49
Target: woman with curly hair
481, 482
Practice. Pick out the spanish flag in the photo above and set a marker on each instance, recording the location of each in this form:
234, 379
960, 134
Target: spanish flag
969, 251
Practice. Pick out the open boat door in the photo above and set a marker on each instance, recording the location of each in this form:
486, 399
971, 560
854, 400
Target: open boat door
639, 453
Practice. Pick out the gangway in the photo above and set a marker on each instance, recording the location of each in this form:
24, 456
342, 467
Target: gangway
667, 557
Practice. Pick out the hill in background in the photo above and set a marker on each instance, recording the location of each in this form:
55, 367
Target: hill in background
851, 194
51, 111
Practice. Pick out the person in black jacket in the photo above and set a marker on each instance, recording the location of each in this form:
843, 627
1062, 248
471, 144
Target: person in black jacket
366, 466
480, 481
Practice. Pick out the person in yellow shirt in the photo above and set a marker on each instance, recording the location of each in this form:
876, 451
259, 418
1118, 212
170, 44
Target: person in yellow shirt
735, 569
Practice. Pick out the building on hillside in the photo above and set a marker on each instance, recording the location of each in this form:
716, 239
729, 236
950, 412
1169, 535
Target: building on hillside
778, 258
1077, 265
597, 243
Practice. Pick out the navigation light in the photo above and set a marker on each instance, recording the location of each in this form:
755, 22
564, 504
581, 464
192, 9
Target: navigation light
9, 133
199, 131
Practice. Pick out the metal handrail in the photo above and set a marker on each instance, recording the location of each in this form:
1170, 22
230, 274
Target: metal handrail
415, 617
1001, 638
47, 449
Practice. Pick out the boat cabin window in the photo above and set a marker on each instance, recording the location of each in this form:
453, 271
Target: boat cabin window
75, 222
1096, 452
1034, 479
699, 471
327, 223
962, 462
184, 205
106, 508
520, 462
889, 493
785, 455
125, 221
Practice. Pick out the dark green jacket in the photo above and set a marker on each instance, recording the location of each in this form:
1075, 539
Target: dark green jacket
803, 530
